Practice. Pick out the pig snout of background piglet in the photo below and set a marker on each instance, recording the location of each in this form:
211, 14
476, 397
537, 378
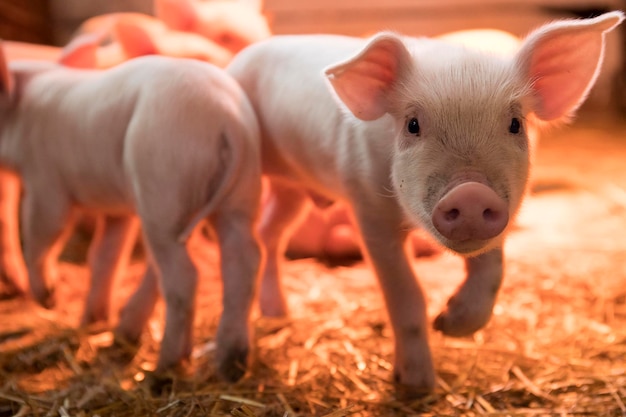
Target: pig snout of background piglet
441, 138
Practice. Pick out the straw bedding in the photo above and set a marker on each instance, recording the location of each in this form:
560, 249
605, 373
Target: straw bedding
555, 346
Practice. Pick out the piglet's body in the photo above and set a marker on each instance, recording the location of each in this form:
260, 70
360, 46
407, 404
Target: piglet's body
411, 132
173, 141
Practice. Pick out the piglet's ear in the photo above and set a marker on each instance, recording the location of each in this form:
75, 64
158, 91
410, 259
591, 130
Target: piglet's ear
562, 61
6, 81
364, 82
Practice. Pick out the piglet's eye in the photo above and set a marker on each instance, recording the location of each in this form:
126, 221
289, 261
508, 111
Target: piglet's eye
516, 126
413, 127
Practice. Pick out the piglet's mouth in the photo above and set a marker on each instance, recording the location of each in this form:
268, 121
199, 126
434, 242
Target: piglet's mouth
471, 247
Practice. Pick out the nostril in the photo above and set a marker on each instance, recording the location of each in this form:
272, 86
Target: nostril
452, 215
490, 215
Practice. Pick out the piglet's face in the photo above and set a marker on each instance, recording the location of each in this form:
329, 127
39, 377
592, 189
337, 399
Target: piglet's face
464, 119
462, 147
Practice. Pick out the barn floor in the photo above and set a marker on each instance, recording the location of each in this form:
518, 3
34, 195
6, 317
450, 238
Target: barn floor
556, 344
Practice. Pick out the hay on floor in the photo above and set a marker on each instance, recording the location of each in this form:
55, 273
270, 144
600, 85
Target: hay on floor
556, 344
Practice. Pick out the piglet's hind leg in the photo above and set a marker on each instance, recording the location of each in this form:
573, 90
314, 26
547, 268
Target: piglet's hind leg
178, 280
46, 216
139, 308
241, 258
108, 254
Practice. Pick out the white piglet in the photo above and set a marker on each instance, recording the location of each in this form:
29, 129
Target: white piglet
412, 132
172, 141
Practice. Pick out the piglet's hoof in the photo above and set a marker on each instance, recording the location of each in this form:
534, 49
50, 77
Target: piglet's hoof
9, 290
121, 351
414, 377
461, 319
232, 364
408, 392
44, 297
93, 316
160, 383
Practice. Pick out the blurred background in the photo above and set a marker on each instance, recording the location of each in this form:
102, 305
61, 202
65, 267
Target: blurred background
54, 22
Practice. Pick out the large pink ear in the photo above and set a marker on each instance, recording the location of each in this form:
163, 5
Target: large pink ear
176, 14
82, 52
6, 81
562, 61
363, 83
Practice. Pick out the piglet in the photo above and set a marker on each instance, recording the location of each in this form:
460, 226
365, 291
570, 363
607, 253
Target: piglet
171, 141
412, 133
122, 36
232, 24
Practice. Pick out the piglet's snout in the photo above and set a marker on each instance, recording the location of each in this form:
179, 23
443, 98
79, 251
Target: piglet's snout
470, 211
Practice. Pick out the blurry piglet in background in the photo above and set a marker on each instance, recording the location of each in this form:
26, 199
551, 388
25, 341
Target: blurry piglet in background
232, 24
211, 31
123, 36
412, 133
111, 143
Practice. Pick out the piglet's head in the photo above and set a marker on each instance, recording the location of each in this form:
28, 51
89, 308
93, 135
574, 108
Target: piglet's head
231, 24
464, 119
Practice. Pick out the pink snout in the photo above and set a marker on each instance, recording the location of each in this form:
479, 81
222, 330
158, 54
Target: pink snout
470, 211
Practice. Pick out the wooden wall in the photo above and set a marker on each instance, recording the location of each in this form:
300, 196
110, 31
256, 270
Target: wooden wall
67, 15
423, 17
54, 21
25, 20
435, 17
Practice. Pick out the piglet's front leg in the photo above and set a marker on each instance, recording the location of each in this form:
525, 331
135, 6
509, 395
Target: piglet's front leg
384, 238
284, 209
470, 308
